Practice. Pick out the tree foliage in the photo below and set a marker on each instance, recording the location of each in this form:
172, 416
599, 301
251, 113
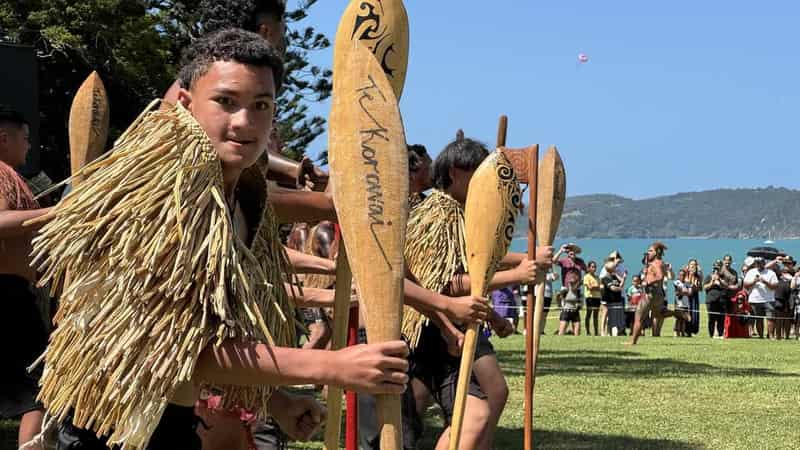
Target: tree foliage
135, 46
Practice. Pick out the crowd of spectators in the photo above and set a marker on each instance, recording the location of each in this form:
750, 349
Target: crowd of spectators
759, 299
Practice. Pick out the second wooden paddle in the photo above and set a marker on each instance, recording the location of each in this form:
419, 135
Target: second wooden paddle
551, 194
88, 124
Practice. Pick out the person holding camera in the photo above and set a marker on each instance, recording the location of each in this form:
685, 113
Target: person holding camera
762, 283
716, 288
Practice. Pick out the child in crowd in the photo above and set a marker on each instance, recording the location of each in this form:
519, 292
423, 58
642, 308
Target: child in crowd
736, 322
683, 290
635, 293
571, 300
593, 291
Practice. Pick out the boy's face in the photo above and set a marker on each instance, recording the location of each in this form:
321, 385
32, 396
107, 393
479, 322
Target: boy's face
234, 103
14, 144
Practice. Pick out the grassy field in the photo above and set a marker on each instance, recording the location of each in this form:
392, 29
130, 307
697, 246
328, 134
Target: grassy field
667, 393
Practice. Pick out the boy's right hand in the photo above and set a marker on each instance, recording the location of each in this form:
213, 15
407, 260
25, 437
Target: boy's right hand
525, 272
372, 368
467, 309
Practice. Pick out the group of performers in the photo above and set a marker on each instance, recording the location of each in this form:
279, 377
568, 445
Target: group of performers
158, 305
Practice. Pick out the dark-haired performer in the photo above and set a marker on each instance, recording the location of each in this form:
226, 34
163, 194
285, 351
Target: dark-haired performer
654, 300
23, 326
435, 359
230, 84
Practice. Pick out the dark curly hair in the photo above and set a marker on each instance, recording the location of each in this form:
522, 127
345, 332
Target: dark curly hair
245, 14
229, 45
465, 154
417, 154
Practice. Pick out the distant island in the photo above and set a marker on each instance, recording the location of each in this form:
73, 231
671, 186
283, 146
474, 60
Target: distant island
763, 213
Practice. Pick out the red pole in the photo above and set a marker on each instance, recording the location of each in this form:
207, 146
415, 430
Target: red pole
351, 399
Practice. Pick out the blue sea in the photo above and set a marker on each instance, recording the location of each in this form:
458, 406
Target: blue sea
679, 251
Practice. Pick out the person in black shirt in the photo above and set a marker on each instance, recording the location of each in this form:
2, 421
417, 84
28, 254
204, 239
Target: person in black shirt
716, 291
782, 295
612, 296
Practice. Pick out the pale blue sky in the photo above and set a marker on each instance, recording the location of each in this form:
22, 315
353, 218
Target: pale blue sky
677, 96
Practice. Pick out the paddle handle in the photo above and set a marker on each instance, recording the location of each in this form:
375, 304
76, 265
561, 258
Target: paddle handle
341, 308
502, 131
533, 174
351, 397
464, 375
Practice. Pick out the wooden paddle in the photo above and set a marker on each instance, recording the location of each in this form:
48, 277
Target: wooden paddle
493, 199
383, 27
88, 124
369, 174
88, 130
552, 188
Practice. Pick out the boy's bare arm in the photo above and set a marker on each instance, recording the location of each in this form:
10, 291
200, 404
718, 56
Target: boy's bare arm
373, 368
12, 222
311, 297
302, 206
305, 263
463, 309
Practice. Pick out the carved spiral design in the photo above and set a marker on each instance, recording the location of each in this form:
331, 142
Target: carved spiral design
504, 171
508, 229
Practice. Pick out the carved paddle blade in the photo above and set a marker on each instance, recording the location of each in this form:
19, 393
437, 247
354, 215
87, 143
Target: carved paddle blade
382, 26
88, 123
552, 189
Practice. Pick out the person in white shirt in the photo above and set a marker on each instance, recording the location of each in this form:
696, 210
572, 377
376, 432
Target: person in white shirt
761, 282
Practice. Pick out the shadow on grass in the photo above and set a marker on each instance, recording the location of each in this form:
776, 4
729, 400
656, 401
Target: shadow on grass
621, 364
511, 438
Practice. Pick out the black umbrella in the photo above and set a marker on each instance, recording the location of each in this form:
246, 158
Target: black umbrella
768, 253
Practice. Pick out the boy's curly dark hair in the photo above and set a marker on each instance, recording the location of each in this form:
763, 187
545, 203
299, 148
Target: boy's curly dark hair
417, 154
229, 45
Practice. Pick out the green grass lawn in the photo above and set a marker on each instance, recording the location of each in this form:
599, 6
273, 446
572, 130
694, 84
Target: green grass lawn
666, 393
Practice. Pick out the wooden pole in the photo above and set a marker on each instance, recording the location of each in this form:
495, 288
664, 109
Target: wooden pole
351, 419
533, 171
341, 314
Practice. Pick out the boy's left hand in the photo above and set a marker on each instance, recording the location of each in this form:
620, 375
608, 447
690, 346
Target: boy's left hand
501, 326
301, 417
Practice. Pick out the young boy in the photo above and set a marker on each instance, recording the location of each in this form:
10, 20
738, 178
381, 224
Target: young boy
24, 327
635, 294
433, 229
683, 291
230, 85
